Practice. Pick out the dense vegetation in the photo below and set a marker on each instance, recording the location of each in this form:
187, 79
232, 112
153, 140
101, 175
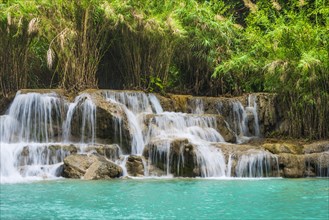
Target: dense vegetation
186, 46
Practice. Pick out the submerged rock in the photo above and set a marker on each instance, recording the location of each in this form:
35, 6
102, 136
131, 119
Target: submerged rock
90, 167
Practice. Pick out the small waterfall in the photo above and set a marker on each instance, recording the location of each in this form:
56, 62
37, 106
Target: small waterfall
31, 117
88, 119
67, 123
239, 118
229, 166
252, 108
155, 104
122, 163
198, 130
33, 129
317, 164
198, 106
135, 105
257, 164
211, 161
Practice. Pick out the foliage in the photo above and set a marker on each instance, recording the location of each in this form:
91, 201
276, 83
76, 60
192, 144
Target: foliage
187, 46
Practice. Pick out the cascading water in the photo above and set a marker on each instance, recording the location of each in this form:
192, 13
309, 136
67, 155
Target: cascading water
37, 128
240, 117
33, 133
257, 164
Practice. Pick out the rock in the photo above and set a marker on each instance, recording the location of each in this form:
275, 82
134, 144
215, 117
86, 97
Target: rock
111, 123
284, 147
111, 152
46, 154
75, 166
316, 147
135, 165
70, 149
224, 129
317, 164
158, 154
174, 103
5, 102
291, 166
102, 169
90, 167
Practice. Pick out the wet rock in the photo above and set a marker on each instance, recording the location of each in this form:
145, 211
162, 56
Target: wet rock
70, 149
135, 165
175, 157
111, 123
292, 166
317, 164
111, 152
103, 169
90, 167
5, 102
224, 129
44, 154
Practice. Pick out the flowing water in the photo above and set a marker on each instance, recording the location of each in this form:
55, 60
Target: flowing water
167, 199
37, 130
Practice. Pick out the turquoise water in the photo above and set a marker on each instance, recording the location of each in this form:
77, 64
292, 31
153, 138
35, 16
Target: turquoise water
167, 199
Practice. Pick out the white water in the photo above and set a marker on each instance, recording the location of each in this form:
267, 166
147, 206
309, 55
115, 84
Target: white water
35, 121
257, 164
240, 117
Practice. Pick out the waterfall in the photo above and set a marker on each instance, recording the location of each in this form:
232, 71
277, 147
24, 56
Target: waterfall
257, 164
37, 130
240, 117
252, 108
34, 130
199, 107
31, 117
135, 105
317, 164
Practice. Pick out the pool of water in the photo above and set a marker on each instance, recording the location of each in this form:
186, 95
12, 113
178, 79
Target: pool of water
167, 199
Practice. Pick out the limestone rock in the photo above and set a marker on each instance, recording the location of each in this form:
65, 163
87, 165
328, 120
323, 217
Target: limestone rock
111, 123
292, 166
102, 169
110, 151
159, 154
90, 167
284, 147
316, 147
135, 165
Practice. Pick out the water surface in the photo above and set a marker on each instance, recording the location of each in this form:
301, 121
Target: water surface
167, 199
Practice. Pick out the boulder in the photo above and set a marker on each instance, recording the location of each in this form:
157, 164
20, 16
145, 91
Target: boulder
175, 157
135, 166
291, 165
111, 123
90, 167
